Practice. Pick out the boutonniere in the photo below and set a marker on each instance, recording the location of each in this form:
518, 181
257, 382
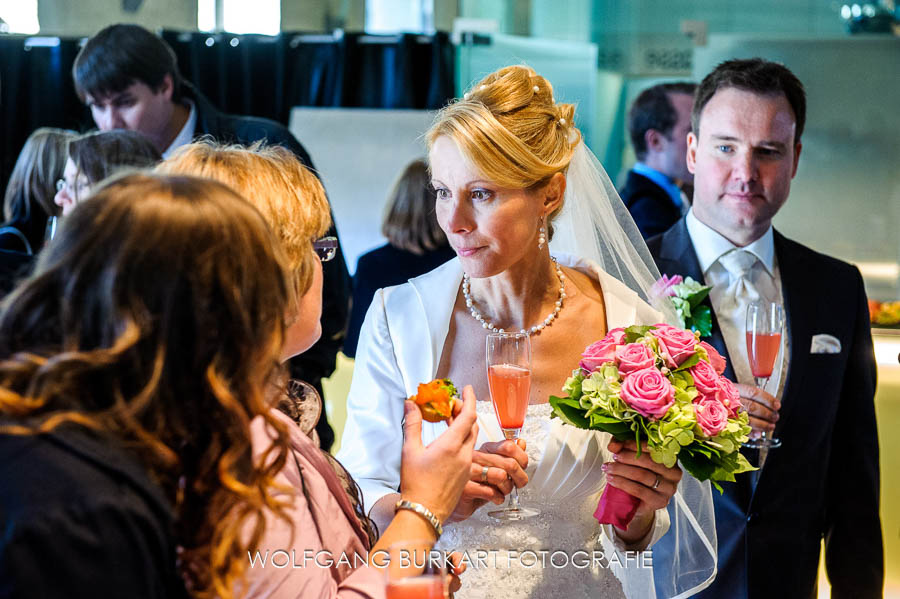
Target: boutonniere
686, 296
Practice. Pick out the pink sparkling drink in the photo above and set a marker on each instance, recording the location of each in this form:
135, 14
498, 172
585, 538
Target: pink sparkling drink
762, 349
418, 587
510, 387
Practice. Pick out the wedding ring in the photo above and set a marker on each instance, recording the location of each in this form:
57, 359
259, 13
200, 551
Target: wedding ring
656, 484
484, 471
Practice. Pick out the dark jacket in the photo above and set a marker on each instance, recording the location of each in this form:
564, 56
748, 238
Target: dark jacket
14, 266
81, 518
650, 205
244, 130
30, 227
383, 267
823, 482
317, 362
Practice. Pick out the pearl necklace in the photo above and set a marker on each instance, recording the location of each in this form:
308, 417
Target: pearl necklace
470, 304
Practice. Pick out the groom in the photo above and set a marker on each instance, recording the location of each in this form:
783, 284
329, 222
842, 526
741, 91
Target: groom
823, 481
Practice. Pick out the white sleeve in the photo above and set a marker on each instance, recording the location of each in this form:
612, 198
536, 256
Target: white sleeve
373, 435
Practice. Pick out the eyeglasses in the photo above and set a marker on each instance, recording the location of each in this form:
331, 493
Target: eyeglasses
75, 191
326, 248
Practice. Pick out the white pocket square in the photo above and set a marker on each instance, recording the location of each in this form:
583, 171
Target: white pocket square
824, 343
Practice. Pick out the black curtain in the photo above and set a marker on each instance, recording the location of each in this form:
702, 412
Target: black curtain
36, 90
242, 74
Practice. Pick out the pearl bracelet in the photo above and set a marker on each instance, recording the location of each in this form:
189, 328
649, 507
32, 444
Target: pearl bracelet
422, 511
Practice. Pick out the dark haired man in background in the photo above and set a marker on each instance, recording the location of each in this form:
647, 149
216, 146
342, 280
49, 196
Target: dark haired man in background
129, 79
823, 482
658, 124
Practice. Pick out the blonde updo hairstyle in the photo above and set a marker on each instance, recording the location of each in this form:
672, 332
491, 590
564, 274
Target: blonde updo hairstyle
511, 130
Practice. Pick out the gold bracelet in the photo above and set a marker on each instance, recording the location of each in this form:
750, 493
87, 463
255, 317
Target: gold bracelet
422, 511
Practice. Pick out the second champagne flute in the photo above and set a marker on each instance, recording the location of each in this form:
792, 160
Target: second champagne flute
508, 357
765, 324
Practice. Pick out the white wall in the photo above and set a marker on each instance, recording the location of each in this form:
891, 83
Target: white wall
359, 153
83, 17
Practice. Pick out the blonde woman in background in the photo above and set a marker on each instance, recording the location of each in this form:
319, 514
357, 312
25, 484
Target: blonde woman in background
511, 173
416, 244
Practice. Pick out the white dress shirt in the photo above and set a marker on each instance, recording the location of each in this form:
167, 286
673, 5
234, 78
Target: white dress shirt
764, 276
186, 135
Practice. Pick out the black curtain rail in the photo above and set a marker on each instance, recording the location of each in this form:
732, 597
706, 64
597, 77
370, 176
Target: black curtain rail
240, 73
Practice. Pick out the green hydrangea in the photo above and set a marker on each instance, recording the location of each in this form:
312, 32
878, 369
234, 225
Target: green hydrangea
592, 401
687, 288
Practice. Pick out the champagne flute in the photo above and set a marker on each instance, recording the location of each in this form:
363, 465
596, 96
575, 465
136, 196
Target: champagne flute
765, 324
415, 571
508, 357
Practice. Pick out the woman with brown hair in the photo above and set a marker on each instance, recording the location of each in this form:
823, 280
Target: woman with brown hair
324, 504
416, 244
28, 201
94, 156
131, 364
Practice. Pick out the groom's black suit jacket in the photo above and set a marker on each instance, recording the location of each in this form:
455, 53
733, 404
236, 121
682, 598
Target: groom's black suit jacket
823, 482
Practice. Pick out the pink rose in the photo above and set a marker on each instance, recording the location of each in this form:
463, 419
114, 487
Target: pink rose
728, 395
675, 345
711, 415
634, 356
715, 358
648, 392
603, 351
663, 286
705, 377
617, 335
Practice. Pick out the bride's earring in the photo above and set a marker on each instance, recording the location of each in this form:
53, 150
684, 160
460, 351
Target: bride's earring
542, 235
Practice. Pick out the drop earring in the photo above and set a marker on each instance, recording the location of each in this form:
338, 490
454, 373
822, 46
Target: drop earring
542, 235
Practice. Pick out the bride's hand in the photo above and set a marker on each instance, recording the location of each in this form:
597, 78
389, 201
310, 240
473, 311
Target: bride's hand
496, 467
641, 477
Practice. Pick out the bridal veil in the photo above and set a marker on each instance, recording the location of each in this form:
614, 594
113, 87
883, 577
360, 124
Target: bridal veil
595, 225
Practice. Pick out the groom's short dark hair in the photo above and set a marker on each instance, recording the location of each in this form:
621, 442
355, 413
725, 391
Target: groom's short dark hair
120, 55
753, 75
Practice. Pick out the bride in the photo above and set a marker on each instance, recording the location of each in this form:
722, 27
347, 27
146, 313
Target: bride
511, 173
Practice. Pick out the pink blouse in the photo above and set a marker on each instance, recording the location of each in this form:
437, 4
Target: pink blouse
326, 557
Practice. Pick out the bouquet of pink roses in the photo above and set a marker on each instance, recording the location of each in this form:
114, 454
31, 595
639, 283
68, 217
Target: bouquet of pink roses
660, 385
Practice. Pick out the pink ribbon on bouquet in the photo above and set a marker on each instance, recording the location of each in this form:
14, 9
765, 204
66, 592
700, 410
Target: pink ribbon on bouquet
616, 507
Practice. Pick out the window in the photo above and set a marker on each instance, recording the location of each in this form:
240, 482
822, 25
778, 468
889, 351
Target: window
396, 16
20, 16
240, 16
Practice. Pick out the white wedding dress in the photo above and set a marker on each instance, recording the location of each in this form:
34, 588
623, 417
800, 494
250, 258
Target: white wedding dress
400, 347
555, 552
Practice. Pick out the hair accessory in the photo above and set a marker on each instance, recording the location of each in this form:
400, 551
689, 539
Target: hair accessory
562, 122
536, 89
470, 304
542, 235
482, 88
467, 95
422, 511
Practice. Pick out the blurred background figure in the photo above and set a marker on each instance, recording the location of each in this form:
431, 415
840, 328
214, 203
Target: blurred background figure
129, 78
28, 201
416, 245
658, 124
95, 156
